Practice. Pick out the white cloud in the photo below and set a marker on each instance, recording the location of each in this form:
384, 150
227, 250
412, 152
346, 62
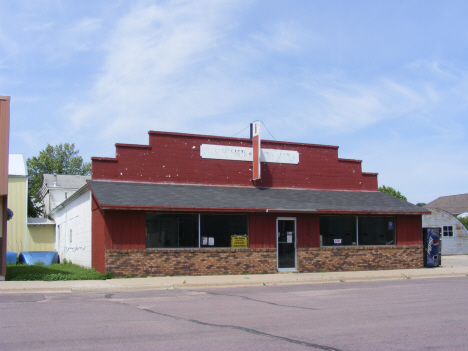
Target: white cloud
422, 169
39, 26
8, 46
180, 67
161, 70
335, 104
285, 37
87, 25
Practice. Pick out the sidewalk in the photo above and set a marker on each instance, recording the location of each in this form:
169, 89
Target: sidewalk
452, 266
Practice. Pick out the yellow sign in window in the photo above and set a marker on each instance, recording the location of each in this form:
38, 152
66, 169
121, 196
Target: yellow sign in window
239, 240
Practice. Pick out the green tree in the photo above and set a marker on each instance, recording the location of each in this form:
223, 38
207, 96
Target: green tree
59, 159
390, 191
421, 204
464, 221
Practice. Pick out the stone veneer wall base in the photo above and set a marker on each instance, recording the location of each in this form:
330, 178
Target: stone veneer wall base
171, 262
167, 262
359, 258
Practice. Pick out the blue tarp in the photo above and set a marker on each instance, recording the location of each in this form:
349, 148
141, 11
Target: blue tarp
11, 257
44, 257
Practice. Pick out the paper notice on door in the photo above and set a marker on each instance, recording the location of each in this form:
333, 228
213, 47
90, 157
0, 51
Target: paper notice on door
289, 238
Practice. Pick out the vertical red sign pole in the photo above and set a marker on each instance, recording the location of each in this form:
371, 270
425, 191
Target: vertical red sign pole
256, 150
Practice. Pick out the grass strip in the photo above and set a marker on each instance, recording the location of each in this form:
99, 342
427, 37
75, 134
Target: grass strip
54, 272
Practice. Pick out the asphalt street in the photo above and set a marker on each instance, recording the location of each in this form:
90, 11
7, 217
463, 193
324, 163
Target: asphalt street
404, 314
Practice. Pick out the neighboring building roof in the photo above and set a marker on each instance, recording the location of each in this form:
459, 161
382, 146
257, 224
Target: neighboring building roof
17, 165
40, 221
454, 204
64, 181
151, 196
70, 199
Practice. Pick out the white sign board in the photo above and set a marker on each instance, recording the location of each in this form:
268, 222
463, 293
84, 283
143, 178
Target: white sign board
238, 153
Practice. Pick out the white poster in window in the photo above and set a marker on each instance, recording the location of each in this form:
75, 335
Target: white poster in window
204, 240
211, 241
289, 238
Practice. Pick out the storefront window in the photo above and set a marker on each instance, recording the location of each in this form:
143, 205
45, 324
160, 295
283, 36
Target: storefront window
341, 230
184, 231
171, 230
336, 231
376, 231
216, 230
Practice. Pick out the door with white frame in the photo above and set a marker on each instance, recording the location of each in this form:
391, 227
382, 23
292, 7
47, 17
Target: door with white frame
286, 243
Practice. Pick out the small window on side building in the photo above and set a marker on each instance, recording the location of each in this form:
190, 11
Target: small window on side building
448, 230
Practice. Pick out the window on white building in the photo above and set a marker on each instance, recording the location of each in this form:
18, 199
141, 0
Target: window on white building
448, 230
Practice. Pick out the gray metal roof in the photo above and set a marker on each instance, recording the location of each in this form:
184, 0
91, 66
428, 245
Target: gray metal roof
70, 199
17, 165
454, 204
111, 194
40, 221
64, 181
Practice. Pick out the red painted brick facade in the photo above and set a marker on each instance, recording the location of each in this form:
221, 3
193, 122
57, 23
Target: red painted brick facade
175, 158
119, 236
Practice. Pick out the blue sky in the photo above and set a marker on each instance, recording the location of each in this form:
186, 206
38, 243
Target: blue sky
386, 81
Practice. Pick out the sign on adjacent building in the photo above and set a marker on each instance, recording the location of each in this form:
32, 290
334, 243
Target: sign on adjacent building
255, 154
239, 153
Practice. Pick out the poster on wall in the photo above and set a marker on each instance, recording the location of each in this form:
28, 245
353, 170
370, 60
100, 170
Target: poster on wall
207, 241
239, 240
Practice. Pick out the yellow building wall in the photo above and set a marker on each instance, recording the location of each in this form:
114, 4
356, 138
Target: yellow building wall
41, 237
17, 202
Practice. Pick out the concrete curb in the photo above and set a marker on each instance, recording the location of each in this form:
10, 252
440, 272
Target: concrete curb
191, 282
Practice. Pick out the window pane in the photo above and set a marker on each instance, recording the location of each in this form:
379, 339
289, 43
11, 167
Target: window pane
216, 230
376, 231
171, 230
336, 230
448, 231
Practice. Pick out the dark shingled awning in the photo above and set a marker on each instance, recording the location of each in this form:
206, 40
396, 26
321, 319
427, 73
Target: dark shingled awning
173, 197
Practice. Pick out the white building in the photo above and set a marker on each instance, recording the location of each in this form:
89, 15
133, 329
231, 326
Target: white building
73, 228
454, 235
56, 188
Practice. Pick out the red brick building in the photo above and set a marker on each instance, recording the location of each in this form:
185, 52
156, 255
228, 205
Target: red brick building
190, 205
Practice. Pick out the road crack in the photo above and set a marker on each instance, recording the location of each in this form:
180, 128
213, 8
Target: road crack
235, 327
247, 330
262, 301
